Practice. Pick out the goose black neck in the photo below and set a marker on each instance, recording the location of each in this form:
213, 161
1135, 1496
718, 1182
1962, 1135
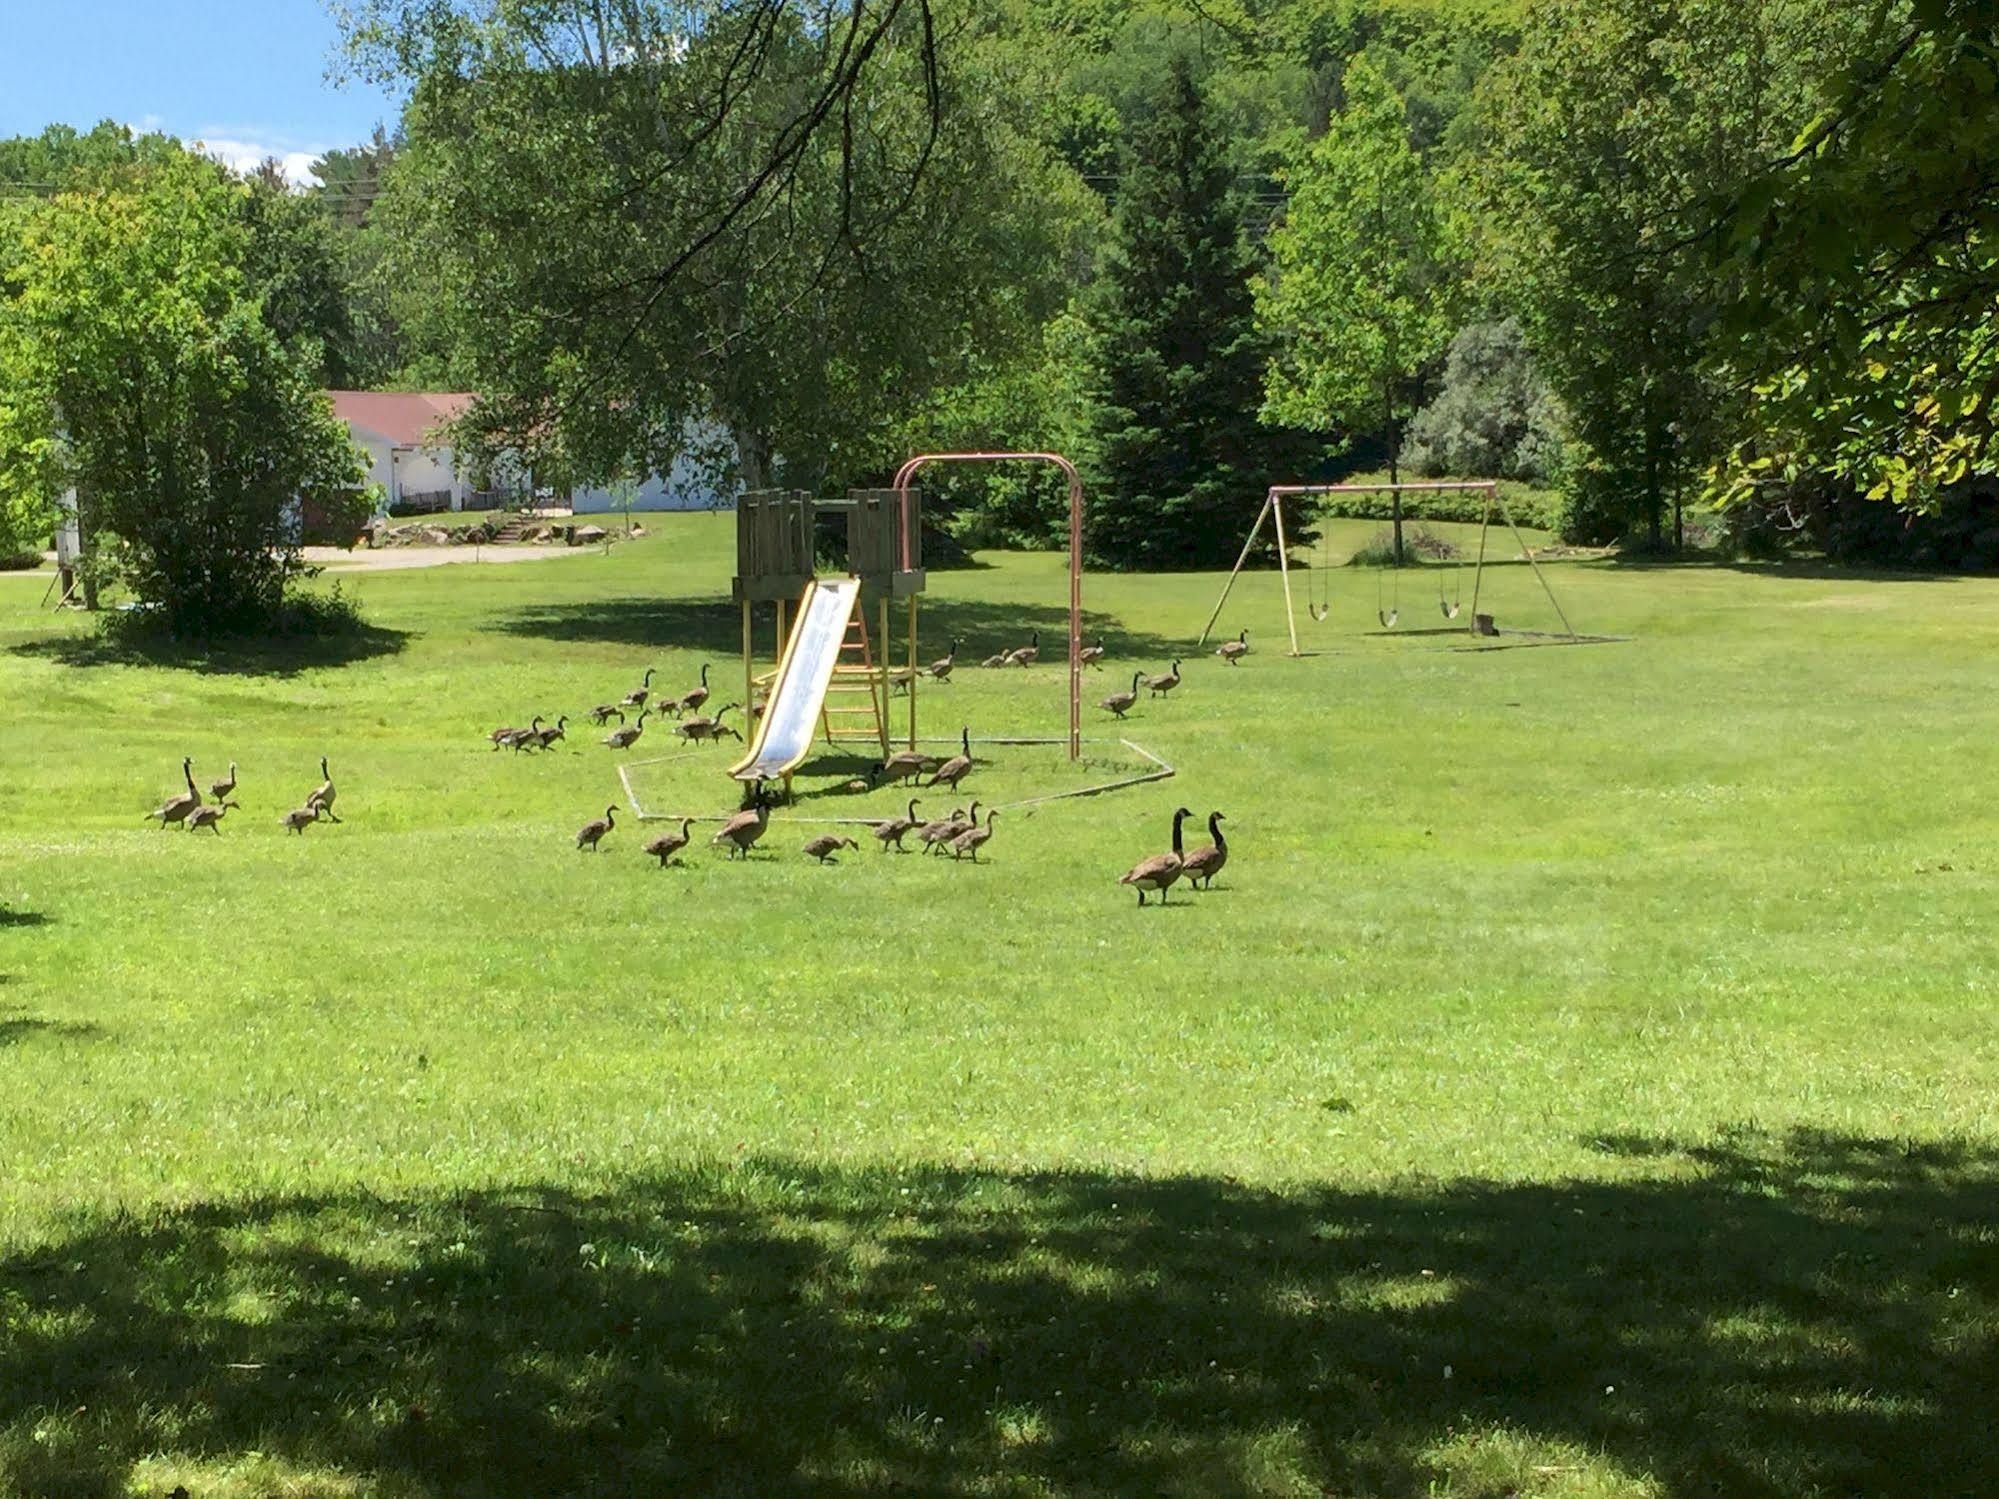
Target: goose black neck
1178, 818
1215, 831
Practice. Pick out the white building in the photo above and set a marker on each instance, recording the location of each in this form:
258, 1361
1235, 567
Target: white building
401, 436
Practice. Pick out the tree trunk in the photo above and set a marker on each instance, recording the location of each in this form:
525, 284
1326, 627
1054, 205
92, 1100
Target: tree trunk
753, 457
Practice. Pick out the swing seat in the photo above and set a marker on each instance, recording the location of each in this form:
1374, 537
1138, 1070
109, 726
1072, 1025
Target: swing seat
1450, 610
1319, 611
1388, 617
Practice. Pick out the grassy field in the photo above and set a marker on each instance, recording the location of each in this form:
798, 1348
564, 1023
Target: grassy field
1582, 1081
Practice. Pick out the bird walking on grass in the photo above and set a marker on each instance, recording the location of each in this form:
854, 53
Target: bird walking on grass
973, 839
741, 832
625, 738
208, 815
1092, 655
322, 798
893, 830
636, 698
1161, 870
1200, 866
1232, 651
941, 667
1165, 682
548, 737
299, 818
1120, 703
939, 832
826, 845
666, 845
222, 790
177, 807
596, 829
698, 730
955, 769
693, 697
1028, 654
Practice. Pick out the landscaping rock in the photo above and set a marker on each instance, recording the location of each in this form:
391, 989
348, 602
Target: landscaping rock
584, 536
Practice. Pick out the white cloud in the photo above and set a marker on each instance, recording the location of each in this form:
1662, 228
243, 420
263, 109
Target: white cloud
246, 156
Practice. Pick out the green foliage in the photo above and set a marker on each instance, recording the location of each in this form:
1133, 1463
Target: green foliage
1605, 137
609, 260
1865, 264
1178, 460
139, 370
293, 261
1493, 414
1360, 295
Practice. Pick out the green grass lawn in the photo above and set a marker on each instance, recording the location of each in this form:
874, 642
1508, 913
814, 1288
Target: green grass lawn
1582, 1081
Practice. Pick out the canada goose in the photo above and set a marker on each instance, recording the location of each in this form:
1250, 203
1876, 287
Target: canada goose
999, 660
300, 818
603, 713
955, 769
826, 845
177, 807
904, 765
208, 817
593, 832
520, 739
893, 830
323, 797
1161, 870
693, 697
941, 668
1028, 654
1121, 703
1202, 865
1165, 682
742, 831
973, 839
225, 788
1232, 651
504, 735
636, 698
944, 829
1090, 655
625, 738
548, 737
666, 845
707, 728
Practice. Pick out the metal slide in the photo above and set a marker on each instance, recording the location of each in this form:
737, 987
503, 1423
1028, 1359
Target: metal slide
798, 695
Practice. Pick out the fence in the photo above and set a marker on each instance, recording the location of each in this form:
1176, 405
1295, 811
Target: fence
428, 503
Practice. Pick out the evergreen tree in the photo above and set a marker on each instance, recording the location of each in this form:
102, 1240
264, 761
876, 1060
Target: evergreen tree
1180, 462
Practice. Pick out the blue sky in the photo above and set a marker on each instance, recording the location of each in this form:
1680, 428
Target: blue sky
248, 77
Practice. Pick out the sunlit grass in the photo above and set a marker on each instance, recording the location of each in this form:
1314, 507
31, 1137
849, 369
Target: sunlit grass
1638, 993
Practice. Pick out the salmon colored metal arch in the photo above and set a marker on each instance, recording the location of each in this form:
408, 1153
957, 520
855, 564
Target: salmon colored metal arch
908, 472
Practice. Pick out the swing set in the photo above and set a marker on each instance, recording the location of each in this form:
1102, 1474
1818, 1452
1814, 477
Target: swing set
1388, 591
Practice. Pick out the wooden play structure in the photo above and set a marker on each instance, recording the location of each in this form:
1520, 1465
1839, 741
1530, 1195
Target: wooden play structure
833, 677
1388, 615
833, 674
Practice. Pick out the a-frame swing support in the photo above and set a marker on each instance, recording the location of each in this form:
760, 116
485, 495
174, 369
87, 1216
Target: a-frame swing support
1273, 509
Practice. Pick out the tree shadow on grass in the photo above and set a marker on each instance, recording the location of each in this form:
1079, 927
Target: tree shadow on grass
715, 626
252, 656
1802, 569
10, 917
17, 1026
1761, 1316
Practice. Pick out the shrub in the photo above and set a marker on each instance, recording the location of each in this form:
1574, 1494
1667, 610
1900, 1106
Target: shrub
1494, 417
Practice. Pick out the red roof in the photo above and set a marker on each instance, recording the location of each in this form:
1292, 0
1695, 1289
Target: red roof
405, 418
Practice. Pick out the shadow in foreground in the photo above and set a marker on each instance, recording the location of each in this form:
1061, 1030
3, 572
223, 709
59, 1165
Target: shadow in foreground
1765, 1316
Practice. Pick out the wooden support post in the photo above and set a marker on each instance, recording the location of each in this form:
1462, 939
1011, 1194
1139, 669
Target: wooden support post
1268, 501
749, 661
913, 672
1284, 570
